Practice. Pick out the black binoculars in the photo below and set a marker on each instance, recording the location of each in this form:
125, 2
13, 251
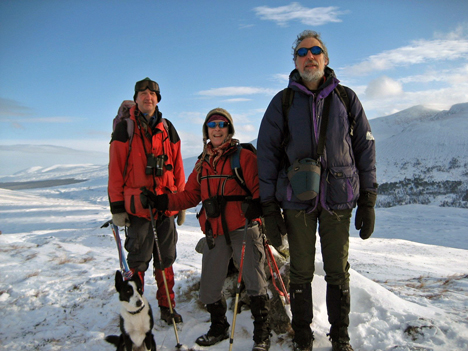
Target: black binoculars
155, 164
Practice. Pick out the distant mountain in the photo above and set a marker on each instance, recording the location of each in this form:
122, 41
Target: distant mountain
22, 156
422, 156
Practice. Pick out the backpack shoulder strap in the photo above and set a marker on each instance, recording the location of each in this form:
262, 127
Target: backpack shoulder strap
286, 102
345, 100
166, 126
237, 169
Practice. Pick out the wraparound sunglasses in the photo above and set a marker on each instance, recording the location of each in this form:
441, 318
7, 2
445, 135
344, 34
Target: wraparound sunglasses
315, 50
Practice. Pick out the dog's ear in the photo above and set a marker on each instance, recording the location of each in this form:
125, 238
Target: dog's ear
118, 280
137, 279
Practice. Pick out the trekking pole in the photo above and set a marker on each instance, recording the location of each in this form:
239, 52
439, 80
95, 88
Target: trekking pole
156, 242
126, 272
239, 279
276, 274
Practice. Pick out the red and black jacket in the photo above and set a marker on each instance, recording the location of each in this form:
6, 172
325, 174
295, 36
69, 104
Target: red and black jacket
219, 180
128, 161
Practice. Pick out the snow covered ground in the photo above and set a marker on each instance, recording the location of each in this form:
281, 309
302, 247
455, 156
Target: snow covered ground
409, 282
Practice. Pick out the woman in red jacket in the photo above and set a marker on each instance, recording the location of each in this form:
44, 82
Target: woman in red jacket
223, 221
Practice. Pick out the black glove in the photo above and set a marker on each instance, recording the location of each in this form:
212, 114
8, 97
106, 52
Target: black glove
365, 214
158, 202
252, 208
274, 223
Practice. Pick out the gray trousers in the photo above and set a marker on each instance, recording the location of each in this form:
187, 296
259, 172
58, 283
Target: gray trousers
215, 264
140, 243
334, 240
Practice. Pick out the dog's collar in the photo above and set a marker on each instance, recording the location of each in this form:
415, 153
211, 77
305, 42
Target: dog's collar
137, 311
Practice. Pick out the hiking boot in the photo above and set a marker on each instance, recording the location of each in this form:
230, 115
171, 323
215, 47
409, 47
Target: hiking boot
262, 346
302, 314
219, 325
297, 347
341, 346
166, 315
208, 339
260, 307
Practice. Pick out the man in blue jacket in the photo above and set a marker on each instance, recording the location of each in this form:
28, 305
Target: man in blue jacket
316, 185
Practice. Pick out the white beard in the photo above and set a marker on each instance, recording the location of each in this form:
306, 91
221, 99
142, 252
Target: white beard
313, 76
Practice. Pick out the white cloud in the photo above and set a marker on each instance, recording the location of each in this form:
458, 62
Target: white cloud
296, 12
383, 87
450, 76
460, 32
235, 91
192, 142
249, 128
420, 51
237, 100
10, 108
190, 117
281, 77
440, 99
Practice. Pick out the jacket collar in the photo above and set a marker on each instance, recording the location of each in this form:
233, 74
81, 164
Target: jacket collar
296, 83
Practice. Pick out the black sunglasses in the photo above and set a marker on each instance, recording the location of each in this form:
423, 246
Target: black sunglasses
147, 84
315, 50
219, 124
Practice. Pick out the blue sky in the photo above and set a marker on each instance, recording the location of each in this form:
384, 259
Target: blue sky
65, 66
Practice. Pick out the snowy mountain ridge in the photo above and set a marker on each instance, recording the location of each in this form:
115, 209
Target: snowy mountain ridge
422, 158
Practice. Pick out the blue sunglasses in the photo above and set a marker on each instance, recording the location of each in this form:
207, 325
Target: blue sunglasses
315, 50
219, 124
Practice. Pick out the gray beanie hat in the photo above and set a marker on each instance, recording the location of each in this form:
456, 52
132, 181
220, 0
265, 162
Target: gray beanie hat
222, 112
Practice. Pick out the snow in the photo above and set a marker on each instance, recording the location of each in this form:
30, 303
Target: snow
409, 282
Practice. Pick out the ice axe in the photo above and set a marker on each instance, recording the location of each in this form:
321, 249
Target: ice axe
126, 272
276, 275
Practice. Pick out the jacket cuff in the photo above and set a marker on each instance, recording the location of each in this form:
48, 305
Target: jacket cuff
367, 198
117, 207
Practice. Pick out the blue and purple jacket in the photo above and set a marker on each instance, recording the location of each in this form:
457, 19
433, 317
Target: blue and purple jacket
348, 163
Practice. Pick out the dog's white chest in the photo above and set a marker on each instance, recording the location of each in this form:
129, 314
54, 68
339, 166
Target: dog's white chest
137, 325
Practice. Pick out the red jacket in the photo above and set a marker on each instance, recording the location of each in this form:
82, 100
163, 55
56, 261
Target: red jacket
221, 182
127, 168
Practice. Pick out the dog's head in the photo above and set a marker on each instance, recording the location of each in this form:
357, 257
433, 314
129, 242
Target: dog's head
130, 292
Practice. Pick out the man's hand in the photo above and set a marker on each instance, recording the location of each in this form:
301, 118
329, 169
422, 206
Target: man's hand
121, 219
365, 214
158, 202
274, 223
180, 217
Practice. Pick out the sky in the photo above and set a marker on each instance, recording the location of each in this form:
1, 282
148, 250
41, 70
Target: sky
65, 66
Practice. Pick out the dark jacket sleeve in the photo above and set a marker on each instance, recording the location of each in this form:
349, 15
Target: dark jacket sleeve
269, 151
179, 173
249, 167
363, 145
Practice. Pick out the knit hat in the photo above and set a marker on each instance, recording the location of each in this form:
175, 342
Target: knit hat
218, 114
147, 84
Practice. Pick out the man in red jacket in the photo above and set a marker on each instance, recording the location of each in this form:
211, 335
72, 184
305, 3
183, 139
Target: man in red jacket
151, 159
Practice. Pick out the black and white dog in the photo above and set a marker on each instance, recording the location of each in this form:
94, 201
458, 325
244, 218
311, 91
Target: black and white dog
136, 317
